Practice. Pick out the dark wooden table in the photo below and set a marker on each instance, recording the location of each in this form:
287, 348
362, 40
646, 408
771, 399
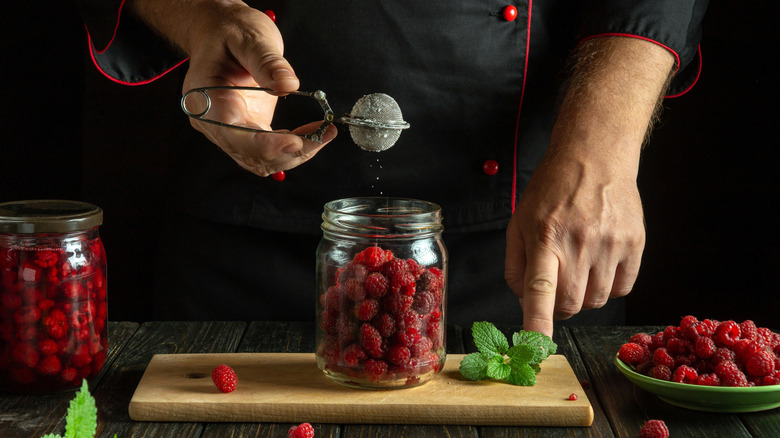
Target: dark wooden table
620, 408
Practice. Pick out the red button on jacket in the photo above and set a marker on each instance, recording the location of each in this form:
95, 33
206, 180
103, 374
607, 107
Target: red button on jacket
490, 167
509, 13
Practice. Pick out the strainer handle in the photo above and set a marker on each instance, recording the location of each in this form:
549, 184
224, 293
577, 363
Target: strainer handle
318, 95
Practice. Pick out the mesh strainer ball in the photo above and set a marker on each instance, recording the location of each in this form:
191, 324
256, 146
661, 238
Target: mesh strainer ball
376, 122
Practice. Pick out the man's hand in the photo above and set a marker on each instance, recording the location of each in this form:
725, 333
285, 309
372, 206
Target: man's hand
577, 235
232, 44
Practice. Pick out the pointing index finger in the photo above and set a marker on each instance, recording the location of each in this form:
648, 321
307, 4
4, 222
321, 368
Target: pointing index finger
540, 284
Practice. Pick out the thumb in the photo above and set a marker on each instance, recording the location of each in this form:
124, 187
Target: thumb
540, 284
262, 55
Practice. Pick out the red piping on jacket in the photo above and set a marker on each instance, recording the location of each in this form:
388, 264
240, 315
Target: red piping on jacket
522, 94
93, 50
695, 80
116, 28
119, 81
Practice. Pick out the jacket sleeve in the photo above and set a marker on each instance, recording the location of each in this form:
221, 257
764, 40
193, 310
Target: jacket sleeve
672, 24
130, 53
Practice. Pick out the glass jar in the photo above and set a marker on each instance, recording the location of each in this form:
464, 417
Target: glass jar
382, 281
53, 330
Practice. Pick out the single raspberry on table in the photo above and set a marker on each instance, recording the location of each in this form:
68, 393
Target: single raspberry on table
224, 378
632, 353
303, 430
654, 429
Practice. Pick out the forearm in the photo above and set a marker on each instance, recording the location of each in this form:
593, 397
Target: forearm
616, 86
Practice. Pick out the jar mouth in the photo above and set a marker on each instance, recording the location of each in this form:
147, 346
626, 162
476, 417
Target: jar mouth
382, 216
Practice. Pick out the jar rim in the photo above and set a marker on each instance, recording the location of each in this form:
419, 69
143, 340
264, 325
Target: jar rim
382, 216
48, 216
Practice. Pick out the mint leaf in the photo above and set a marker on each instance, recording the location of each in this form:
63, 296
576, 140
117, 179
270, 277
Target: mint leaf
81, 421
474, 366
536, 339
522, 353
489, 339
497, 368
522, 374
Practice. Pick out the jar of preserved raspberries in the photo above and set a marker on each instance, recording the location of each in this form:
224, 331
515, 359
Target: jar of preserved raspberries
52, 295
382, 281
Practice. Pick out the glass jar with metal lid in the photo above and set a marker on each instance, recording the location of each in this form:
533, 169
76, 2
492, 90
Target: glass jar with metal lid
53, 310
382, 280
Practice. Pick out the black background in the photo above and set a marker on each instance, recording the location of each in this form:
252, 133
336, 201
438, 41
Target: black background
708, 178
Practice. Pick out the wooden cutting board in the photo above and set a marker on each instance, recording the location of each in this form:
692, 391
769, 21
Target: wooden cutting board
288, 387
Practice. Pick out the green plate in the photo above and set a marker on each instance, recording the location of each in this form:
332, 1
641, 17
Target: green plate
706, 398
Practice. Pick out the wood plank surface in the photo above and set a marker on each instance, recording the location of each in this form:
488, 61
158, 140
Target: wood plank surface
285, 387
114, 392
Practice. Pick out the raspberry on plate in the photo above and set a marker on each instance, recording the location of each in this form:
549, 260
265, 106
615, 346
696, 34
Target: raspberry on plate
631, 353
224, 378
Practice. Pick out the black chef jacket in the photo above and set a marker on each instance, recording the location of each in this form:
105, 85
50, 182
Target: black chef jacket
473, 85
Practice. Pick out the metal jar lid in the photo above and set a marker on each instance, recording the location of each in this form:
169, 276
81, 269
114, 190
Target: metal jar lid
48, 216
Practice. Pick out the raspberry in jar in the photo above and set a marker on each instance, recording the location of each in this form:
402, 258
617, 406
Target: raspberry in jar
53, 312
382, 280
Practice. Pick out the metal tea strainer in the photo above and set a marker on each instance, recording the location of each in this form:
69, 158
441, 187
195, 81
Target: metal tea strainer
375, 122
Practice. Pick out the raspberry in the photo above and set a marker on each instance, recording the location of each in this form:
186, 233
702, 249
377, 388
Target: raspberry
303, 430
47, 347
684, 374
727, 333
745, 348
573, 397
367, 309
678, 346
375, 369
46, 258
394, 266
642, 339
353, 354
760, 364
354, 289
631, 353
704, 347
403, 282
27, 315
697, 329
10, 301
723, 354
425, 302
398, 303
661, 372
49, 365
748, 330
377, 285
374, 257
422, 346
654, 429
730, 375
398, 355
687, 321
354, 270
662, 357
370, 339
55, 323
25, 354
385, 324
69, 374
224, 378
708, 380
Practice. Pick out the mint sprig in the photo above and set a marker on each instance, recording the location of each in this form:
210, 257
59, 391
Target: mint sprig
517, 365
81, 421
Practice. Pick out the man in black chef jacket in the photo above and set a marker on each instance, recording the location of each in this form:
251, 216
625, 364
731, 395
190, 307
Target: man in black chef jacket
527, 121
